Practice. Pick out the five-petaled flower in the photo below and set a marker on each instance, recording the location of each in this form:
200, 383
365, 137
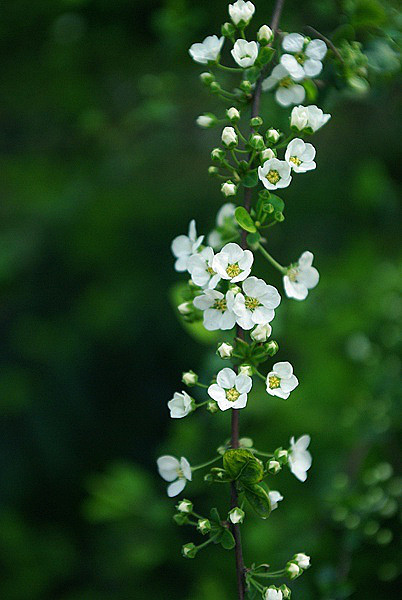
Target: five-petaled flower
230, 390
255, 306
281, 381
233, 263
241, 12
275, 173
245, 53
304, 56
308, 118
218, 309
183, 246
300, 156
299, 457
175, 471
288, 91
200, 268
180, 405
301, 277
208, 50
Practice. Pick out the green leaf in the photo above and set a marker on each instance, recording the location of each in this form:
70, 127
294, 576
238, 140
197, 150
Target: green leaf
277, 203
253, 238
244, 220
250, 179
214, 514
241, 464
227, 540
258, 497
311, 89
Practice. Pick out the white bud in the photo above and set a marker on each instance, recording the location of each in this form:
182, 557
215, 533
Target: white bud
267, 154
245, 370
273, 135
229, 136
293, 570
299, 117
185, 308
274, 466
204, 526
185, 506
302, 560
228, 188
283, 454
236, 515
272, 593
189, 378
225, 350
265, 34
235, 289
205, 121
261, 333
241, 12
233, 114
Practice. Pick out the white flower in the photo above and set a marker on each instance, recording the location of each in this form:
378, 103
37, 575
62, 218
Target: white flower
218, 309
230, 390
288, 92
245, 53
205, 121
184, 246
228, 188
275, 173
233, 114
299, 457
308, 117
200, 268
178, 472
301, 277
281, 381
236, 515
306, 55
225, 350
300, 156
208, 50
241, 12
302, 560
229, 136
267, 154
257, 303
180, 405
273, 594
233, 263
275, 497
261, 333
265, 34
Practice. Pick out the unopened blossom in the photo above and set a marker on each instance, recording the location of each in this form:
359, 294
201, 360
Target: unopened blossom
308, 117
303, 56
281, 381
246, 370
267, 154
265, 34
183, 246
228, 188
236, 515
245, 53
241, 12
275, 173
233, 263
185, 506
255, 306
300, 156
288, 91
185, 308
200, 268
180, 405
274, 466
218, 309
261, 333
293, 570
299, 457
189, 378
230, 390
229, 136
301, 277
208, 50
233, 114
275, 497
205, 121
225, 350
175, 471
273, 135
273, 594
302, 560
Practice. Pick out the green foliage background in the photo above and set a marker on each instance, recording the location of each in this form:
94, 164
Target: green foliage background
101, 166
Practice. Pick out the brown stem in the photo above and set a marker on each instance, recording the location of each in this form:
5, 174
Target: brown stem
255, 108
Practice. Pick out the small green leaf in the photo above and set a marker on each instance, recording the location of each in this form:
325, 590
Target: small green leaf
250, 179
253, 238
277, 203
214, 514
241, 464
227, 540
311, 89
244, 220
258, 497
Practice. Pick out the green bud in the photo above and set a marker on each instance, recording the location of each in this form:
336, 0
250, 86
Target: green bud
272, 347
256, 141
189, 378
279, 216
207, 78
215, 87
264, 194
204, 526
189, 550
228, 30
236, 515
212, 407
185, 506
273, 466
180, 519
246, 86
293, 570
286, 592
218, 154
213, 171
281, 455
256, 122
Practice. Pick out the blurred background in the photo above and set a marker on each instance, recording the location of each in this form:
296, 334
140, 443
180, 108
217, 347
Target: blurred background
101, 166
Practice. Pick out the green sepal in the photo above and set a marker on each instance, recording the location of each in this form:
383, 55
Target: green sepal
277, 203
257, 495
244, 219
265, 55
251, 179
253, 238
242, 465
217, 475
214, 515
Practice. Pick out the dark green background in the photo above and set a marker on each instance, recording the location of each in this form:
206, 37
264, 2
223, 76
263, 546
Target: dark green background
101, 166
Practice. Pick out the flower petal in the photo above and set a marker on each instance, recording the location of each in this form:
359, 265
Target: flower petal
216, 392
316, 49
283, 369
168, 467
226, 378
293, 42
176, 487
243, 383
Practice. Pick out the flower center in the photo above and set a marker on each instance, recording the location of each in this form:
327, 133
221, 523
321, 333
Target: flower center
233, 270
286, 82
210, 271
180, 473
251, 303
232, 394
292, 274
273, 176
295, 160
274, 382
300, 57
220, 304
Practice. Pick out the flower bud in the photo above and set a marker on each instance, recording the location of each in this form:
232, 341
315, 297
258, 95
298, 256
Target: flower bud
212, 407
204, 526
273, 466
233, 114
189, 378
185, 308
272, 593
256, 122
265, 35
246, 370
228, 30
185, 506
286, 593
246, 443
266, 155
256, 141
261, 333
236, 515
228, 188
225, 350
293, 570
218, 154
207, 120
302, 560
213, 171
281, 455
229, 137
234, 288
273, 135
180, 519
189, 550
246, 86
207, 78
272, 348
241, 12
